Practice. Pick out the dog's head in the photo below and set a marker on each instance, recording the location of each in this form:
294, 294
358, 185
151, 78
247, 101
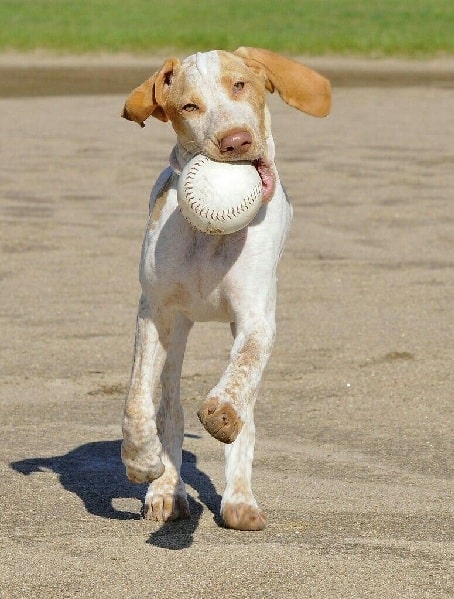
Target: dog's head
216, 102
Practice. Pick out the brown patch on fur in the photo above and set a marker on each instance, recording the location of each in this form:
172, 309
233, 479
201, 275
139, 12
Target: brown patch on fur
246, 358
147, 99
161, 200
242, 516
253, 92
297, 85
234, 69
220, 420
179, 296
249, 355
180, 94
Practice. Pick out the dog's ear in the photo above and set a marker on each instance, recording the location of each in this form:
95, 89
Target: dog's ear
148, 99
298, 86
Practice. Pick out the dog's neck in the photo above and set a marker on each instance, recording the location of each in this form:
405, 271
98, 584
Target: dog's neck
179, 157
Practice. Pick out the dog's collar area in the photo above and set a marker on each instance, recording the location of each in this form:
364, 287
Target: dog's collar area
179, 157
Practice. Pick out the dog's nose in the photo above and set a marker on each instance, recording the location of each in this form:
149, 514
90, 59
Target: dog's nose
236, 142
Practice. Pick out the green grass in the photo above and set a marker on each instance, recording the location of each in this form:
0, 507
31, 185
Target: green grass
366, 27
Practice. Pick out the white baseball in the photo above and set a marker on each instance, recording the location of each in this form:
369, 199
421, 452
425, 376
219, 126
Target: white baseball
219, 197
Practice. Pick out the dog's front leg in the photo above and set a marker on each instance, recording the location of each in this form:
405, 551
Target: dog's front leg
166, 497
239, 508
226, 408
228, 414
141, 448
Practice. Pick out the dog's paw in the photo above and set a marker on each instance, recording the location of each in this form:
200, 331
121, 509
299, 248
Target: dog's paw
243, 516
141, 466
164, 507
220, 420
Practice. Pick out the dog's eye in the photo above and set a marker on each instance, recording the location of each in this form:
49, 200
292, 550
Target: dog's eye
238, 85
190, 107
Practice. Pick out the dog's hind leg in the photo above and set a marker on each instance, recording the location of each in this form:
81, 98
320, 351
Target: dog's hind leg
166, 497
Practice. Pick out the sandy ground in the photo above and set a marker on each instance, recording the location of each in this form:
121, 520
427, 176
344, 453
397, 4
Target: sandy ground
354, 447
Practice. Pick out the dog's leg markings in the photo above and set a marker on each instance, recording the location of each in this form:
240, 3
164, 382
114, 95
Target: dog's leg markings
141, 448
223, 412
166, 498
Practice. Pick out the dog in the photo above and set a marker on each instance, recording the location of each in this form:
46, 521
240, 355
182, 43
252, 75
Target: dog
215, 102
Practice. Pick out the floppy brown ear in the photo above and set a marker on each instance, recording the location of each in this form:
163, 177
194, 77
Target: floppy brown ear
298, 86
147, 99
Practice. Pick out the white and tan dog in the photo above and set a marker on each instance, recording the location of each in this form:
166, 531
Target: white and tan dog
216, 104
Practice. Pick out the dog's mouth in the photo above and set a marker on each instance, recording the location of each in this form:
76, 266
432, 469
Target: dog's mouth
264, 168
267, 176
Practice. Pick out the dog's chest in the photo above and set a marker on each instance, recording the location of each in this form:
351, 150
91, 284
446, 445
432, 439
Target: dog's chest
191, 272
207, 273
210, 277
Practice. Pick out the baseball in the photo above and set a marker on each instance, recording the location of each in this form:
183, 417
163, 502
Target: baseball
219, 197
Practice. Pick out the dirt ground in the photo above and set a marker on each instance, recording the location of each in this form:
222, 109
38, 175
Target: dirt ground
354, 425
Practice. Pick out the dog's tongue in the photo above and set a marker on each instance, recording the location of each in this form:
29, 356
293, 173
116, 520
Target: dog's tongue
268, 180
